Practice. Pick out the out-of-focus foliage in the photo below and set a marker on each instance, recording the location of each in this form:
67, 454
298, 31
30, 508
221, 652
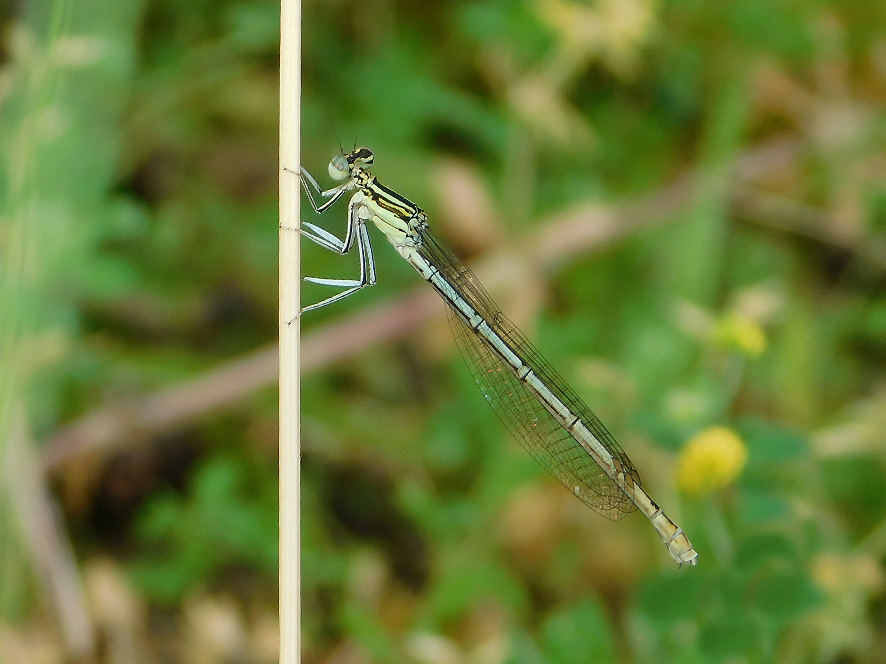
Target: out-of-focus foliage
235, 528
736, 347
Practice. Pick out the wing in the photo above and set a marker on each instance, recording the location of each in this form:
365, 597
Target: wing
539, 432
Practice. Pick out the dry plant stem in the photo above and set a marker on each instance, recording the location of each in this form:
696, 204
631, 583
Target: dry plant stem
47, 544
579, 231
166, 409
231, 383
289, 405
798, 218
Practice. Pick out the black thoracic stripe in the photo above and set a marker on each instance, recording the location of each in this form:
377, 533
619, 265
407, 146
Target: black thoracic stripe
405, 205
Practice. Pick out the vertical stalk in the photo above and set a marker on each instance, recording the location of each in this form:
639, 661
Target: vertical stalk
290, 101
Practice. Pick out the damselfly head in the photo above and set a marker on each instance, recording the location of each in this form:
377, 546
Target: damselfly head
361, 157
341, 165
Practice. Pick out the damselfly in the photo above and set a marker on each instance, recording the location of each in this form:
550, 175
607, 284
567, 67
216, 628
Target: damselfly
536, 405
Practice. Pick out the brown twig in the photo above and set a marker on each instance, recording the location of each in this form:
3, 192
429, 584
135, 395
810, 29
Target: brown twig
791, 216
47, 543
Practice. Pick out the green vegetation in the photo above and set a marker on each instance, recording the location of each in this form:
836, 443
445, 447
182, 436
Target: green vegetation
682, 202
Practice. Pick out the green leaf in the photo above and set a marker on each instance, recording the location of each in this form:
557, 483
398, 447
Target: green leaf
671, 598
770, 444
758, 505
733, 635
784, 594
465, 583
758, 550
578, 635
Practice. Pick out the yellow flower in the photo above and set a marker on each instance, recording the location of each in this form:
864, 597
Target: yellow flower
741, 333
712, 459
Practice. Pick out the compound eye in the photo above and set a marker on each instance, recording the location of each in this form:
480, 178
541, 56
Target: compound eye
338, 168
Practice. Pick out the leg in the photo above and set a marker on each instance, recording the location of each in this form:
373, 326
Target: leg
367, 273
317, 234
333, 194
326, 239
356, 227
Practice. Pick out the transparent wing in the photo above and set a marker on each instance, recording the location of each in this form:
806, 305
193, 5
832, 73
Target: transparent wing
549, 443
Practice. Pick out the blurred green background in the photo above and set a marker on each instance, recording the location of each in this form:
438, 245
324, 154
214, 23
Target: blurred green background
683, 203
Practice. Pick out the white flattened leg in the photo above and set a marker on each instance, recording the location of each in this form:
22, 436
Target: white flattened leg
322, 237
329, 241
367, 269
